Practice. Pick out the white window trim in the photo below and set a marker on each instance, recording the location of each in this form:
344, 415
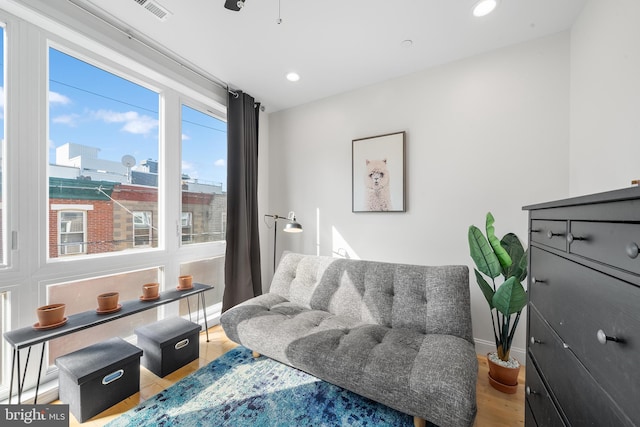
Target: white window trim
83, 244
58, 207
148, 226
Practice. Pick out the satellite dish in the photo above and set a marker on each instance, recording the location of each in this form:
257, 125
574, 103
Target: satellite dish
128, 160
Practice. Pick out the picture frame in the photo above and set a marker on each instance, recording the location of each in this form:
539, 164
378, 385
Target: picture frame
378, 173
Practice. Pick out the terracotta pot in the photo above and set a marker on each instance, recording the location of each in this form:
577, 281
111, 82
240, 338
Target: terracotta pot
108, 301
185, 282
150, 290
50, 314
503, 378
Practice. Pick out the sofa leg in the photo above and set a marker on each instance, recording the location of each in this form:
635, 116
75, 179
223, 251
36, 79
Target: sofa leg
255, 354
419, 422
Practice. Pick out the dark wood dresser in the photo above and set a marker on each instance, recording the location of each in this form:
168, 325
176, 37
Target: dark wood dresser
583, 330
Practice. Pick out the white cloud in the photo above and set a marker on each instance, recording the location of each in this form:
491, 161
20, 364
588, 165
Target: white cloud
68, 119
185, 137
57, 98
186, 166
220, 163
133, 122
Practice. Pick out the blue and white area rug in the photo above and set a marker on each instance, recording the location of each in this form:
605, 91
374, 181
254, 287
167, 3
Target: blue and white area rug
238, 390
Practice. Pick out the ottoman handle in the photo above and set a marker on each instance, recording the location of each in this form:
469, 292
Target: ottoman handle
112, 376
181, 344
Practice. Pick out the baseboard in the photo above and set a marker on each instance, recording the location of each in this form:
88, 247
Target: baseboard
483, 347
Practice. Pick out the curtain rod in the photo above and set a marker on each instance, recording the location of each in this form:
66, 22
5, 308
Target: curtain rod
170, 55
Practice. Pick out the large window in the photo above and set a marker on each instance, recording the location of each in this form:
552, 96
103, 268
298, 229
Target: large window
204, 177
103, 150
93, 134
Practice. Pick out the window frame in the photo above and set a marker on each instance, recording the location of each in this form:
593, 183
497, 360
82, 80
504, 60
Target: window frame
216, 114
85, 233
125, 71
149, 227
186, 237
31, 29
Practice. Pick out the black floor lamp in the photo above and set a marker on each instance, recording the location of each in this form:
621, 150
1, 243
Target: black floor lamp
292, 226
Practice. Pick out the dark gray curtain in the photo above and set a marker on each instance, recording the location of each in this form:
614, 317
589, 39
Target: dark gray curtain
242, 273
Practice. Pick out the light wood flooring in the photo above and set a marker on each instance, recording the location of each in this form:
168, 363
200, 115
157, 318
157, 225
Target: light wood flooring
495, 409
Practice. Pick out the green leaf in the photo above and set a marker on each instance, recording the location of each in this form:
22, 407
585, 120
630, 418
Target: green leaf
485, 288
482, 254
510, 297
503, 256
518, 267
522, 266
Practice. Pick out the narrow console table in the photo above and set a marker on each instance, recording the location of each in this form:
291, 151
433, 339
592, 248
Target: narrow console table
28, 336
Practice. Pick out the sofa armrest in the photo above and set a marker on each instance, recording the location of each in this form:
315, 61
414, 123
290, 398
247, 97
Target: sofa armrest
232, 318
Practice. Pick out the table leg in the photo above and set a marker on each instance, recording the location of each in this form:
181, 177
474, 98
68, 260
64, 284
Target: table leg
26, 365
13, 367
18, 380
204, 310
198, 309
35, 399
189, 308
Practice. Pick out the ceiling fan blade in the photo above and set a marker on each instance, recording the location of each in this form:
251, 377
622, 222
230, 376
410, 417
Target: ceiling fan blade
232, 5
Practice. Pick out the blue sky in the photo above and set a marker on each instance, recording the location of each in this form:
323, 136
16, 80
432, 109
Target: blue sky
92, 107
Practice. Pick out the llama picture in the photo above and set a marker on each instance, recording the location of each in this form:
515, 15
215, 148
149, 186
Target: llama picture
378, 173
376, 181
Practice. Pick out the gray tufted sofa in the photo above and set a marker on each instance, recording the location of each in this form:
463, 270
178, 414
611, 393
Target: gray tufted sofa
397, 334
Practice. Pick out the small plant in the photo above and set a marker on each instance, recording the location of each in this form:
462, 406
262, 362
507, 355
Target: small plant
506, 258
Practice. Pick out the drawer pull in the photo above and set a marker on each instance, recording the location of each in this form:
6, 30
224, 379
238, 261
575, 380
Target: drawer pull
535, 341
181, 344
603, 338
632, 250
551, 234
530, 392
536, 280
571, 238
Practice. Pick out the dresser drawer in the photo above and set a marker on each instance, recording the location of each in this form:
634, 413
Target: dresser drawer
578, 302
607, 242
582, 400
539, 402
549, 233
529, 421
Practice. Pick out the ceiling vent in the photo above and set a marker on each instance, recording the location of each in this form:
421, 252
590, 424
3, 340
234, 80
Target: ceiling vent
156, 8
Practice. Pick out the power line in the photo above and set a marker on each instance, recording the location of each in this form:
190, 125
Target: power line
131, 105
102, 96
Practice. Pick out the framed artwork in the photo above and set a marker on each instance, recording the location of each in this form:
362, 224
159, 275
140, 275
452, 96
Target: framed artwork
378, 182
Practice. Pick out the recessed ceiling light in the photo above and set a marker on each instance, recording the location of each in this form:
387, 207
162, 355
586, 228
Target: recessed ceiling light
293, 77
484, 7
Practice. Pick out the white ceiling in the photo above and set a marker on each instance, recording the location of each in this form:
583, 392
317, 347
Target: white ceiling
335, 45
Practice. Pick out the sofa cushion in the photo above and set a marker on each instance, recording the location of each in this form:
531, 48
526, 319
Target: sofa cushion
425, 299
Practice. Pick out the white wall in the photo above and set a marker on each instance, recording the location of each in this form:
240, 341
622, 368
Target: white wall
605, 96
489, 133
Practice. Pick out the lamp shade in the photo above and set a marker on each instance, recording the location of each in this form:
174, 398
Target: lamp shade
293, 227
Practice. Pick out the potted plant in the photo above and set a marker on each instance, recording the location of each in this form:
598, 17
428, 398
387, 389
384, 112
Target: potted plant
494, 258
